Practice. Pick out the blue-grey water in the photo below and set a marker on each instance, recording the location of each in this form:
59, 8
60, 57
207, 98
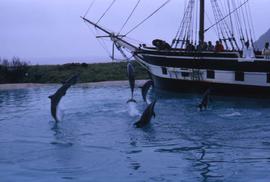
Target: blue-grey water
96, 140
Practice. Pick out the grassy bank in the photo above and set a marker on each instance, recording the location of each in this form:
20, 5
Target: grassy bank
57, 73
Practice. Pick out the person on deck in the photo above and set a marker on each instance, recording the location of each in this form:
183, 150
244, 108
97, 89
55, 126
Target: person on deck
199, 46
205, 46
219, 47
248, 51
189, 46
202, 46
210, 46
266, 51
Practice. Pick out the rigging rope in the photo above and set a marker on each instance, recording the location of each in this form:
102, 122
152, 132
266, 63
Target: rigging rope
232, 26
252, 24
191, 26
196, 23
231, 22
244, 19
217, 18
225, 26
248, 22
106, 11
216, 29
180, 29
134, 40
90, 6
137, 4
181, 33
102, 44
226, 16
164, 4
238, 23
186, 24
191, 21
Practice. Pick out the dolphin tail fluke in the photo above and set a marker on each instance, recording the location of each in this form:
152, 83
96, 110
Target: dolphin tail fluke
131, 100
137, 124
200, 106
56, 120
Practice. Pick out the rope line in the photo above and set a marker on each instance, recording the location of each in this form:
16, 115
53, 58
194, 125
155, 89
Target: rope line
102, 44
90, 6
106, 11
132, 12
164, 4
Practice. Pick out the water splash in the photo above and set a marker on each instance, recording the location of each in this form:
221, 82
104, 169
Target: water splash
132, 109
60, 112
231, 113
148, 101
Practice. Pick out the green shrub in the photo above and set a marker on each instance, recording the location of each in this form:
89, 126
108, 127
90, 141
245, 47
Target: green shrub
13, 71
57, 73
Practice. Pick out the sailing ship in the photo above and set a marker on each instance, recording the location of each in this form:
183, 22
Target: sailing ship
179, 67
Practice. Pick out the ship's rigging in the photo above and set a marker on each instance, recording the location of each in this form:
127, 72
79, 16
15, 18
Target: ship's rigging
232, 24
233, 32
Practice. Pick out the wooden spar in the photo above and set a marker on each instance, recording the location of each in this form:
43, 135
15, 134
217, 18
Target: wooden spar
115, 38
97, 26
201, 31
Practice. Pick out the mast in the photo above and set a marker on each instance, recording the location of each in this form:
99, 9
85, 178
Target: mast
201, 31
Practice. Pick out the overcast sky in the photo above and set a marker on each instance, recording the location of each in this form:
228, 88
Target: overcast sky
51, 31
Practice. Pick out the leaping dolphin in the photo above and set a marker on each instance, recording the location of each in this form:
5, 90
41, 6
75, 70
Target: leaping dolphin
147, 115
146, 86
205, 100
131, 79
55, 98
72, 80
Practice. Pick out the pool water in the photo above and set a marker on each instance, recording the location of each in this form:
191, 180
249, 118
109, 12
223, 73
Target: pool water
97, 141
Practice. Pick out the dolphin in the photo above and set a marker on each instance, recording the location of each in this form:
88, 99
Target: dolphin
147, 115
205, 100
72, 80
56, 97
131, 78
146, 86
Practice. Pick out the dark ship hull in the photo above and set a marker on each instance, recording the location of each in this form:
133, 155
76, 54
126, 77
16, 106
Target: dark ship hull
225, 73
182, 86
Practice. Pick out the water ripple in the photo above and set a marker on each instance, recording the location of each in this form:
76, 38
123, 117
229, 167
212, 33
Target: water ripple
96, 139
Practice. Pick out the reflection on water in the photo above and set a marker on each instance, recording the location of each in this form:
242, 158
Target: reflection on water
96, 140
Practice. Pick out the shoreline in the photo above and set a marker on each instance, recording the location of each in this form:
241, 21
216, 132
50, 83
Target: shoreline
15, 86
56, 74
